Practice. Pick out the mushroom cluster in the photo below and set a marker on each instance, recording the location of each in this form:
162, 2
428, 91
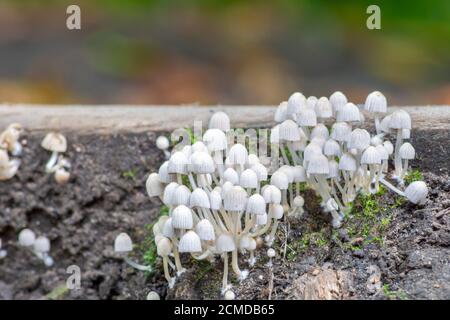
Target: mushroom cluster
39, 245
10, 146
56, 143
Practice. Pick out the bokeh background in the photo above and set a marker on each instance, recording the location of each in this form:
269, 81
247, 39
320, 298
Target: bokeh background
222, 52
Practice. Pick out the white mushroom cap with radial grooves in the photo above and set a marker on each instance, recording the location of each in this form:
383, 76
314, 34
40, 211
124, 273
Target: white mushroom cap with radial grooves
205, 230
407, 151
323, 108
371, 156
163, 174
215, 200
289, 171
289, 131
332, 148
187, 150
181, 195
307, 118
252, 160
311, 150
244, 243
417, 192
178, 163
122, 243
215, 140
26, 237
201, 163
359, 139
248, 179
389, 147
280, 180
162, 143
338, 100
311, 102
227, 186
271, 194
295, 103
318, 165
152, 295
54, 141
277, 211
261, 219
281, 112
340, 131
256, 204
190, 242
320, 131
163, 247
231, 175
225, 243
161, 222
199, 198
347, 162
299, 174
167, 229
384, 155
199, 146
235, 199
220, 120
238, 154
182, 218
333, 169
319, 141
376, 102
168, 193
375, 141
400, 119
261, 171
385, 124
348, 113
154, 186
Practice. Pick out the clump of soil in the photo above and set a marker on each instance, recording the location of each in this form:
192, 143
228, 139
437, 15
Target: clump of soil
407, 258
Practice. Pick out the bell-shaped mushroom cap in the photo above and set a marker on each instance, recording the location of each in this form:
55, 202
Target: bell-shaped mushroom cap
42, 244
348, 113
407, 151
205, 230
275, 134
319, 141
320, 131
152, 295
181, 195
199, 199
162, 143
248, 179
299, 174
376, 102
163, 174
215, 140
376, 140
271, 194
400, 119
220, 120
178, 163
385, 124
261, 219
280, 113
384, 155
256, 204
338, 100
168, 193
227, 186
299, 201
318, 165
215, 200
122, 243
289, 171
332, 148
167, 229
289, 131
26, 238
311, 150
371, 156
340, 131
333, 169
190, 242
359, 139
271, 253
280, 180
417, 192
252, 160
54, 142
307, 118
199, 146
182, 218
161, 222
163, 247
244, 243
296, 102
277, 211
201, 163
311, 102
323, 108
231, 175
238, 154
347, 162
235, 199
154, 186
389, 147
261, 171
406, 133
225, 243
9, 170
4, 158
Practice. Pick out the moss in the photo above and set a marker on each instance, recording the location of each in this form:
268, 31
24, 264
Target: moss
394, 295
130, 174
412, 176
306, 241
58, 292
288, 155
191, 135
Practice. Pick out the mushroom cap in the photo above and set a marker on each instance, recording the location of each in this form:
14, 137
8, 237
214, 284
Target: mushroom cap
4, 158
26, 237
261, 219
376, 102
332, 148
205, 230
323, 108
311, 102
238, 154
225, 243
371, 156
340, 131
347, 162
359, 139
164, 247
338, 100
280, 180
168, 193
54, 142
407, 151
320, 131
199, 146
220, 120
295, 103
271, 253
231, 175
152, 295
164, 175
215, 140
229, 295
271, 194
307, 118
281, 112
311, 150
299, 174
167, 229
162, 143
9, 170
289, 131
181, 196
333, 169
406, 133
199, 198
182, 218
400, 119
417, 192
178, 163
261, 171
256, 204
62, 176
190, 242
154, 186
201, 162
389, 147
318, 165
122, 243
348, 113
248, 179
215, 200
235, 199
277, 211
384, 155
299, 201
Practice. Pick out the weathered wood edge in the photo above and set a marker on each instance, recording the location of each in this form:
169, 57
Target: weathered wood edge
85, 119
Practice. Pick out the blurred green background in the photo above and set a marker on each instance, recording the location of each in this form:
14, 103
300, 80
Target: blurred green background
222, 52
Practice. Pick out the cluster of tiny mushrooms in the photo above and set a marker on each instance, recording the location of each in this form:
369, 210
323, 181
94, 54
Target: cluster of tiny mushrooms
10, 151
223, 200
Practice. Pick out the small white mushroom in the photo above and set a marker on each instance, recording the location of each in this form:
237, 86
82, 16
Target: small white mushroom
417, 192
27, 238
152, 295
56, 143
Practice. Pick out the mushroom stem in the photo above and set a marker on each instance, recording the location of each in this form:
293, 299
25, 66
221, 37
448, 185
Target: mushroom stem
166, 271
405, 169
390, 186
377, 124
225, 272
137, 265
176, 256
397, 159
272, 232
283, 154
51, 162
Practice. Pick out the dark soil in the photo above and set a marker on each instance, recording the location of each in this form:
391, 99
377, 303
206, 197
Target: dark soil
407, 258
